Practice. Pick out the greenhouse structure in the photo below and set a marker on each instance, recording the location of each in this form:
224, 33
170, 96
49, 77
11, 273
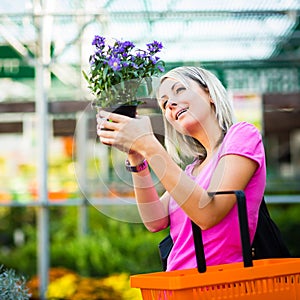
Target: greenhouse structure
50, 156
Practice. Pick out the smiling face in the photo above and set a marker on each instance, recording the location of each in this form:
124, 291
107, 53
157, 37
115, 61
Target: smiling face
187, 107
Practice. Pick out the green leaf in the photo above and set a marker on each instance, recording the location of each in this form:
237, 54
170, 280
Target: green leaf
105, 73
85, 76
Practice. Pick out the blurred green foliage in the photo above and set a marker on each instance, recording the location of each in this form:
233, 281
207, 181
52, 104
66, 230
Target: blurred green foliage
287, 218
109, 247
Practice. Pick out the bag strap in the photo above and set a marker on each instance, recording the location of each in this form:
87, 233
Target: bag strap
244, 232
199, 249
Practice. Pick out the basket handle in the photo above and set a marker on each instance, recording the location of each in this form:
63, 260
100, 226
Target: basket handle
244, 232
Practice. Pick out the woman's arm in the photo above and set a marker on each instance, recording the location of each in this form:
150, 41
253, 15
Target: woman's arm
153, 209
135, 136
233, 172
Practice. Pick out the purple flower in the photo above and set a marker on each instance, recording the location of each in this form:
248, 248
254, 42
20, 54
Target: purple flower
115, 63
161, 68
134, 65
128, 45
141, 54
154, 47
154, 59
99, 53
120, 62
125, 46
98, 41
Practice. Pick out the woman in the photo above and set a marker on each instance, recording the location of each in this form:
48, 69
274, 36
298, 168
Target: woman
199, 126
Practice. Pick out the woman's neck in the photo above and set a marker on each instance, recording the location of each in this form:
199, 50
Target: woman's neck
210, 138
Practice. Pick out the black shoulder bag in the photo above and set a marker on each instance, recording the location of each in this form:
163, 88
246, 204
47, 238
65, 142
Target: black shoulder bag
267, 243
165, 247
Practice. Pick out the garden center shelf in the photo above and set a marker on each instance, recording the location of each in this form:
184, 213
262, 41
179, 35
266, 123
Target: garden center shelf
72, 202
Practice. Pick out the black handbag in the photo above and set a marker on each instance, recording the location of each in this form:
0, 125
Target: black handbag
267, 243
165, 247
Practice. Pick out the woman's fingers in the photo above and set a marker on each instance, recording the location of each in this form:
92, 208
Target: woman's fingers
103, 123
121, 131
108, 131
117, 118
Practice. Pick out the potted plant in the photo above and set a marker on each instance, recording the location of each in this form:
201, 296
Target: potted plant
118, 71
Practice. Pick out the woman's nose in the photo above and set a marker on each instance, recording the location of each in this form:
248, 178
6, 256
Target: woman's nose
171, 104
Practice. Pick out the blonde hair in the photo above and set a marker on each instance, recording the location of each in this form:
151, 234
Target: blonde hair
182, 147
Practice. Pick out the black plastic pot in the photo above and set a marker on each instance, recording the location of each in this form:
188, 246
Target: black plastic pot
125, 110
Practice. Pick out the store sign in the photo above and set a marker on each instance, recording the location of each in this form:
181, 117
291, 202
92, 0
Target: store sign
12, 64
9, 66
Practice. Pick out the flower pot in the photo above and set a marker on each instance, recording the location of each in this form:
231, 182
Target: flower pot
125, 110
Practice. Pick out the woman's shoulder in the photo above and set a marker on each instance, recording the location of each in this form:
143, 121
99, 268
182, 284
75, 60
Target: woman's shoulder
243, 125
244, 130
242, 137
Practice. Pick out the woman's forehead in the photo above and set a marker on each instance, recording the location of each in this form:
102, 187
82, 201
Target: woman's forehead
169, 82
167, 85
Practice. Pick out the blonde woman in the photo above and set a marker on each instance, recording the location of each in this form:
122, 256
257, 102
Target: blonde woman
223, 155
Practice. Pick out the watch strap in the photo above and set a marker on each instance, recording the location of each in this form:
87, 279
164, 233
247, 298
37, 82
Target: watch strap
142, 166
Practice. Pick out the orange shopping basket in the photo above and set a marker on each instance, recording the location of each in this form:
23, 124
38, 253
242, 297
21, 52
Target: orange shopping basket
265, 279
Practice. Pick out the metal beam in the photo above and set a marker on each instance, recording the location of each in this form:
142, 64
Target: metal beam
160, 14
42, 85
14, 42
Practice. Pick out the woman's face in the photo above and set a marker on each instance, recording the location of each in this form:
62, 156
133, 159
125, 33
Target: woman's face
186, 108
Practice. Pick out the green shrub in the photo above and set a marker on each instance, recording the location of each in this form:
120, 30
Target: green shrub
286, 217
110, 246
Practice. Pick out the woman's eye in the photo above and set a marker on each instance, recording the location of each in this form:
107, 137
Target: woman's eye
164, 104
179, 89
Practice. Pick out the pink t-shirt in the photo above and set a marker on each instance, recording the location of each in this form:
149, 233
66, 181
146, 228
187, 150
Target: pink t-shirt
221, 242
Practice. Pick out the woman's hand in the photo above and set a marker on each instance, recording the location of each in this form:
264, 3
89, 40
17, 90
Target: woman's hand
125, 133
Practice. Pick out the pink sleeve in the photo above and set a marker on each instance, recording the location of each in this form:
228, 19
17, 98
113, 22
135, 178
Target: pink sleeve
244, 139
